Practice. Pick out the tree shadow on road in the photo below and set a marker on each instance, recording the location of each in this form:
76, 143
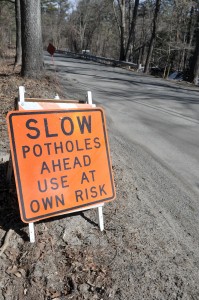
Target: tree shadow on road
133, 77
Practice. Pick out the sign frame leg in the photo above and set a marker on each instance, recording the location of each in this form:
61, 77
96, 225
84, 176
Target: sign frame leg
32, 232
101, 218
9, 171
89, 97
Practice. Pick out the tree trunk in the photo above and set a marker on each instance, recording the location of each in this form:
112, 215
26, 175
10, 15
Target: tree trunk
32, 50
122, 52
188, 37
195, 67
18, 56
153, 35
122, 31
131, 38
194, 72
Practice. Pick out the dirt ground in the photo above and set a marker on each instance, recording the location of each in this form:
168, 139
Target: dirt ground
141, 254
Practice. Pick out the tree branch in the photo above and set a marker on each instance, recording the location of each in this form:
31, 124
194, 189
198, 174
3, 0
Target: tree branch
116, 18
10, 1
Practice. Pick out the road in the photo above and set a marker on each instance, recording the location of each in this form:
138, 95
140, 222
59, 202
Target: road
160, 116
150, 245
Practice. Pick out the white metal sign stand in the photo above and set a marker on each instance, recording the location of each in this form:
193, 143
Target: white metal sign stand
34, 105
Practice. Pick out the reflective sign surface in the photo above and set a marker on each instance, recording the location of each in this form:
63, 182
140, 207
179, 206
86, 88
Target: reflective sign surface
61, 161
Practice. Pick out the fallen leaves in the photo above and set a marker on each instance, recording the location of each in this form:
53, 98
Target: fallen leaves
46, 269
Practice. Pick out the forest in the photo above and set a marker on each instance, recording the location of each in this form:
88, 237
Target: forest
160, 36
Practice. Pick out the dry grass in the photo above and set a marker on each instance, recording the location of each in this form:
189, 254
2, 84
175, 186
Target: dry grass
10, 80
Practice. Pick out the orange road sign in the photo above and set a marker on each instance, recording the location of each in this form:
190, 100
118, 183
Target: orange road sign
61, 161
51, 49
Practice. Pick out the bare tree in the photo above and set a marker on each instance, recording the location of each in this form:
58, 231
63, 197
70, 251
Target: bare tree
18, 56
122, 28
54, 16
129, 29
84, 24
153, 35
194, 70
7, 26
131, 36
32, 49
126, 15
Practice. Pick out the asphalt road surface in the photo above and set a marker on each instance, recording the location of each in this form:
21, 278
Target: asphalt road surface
156, 120
160, 116
153, 226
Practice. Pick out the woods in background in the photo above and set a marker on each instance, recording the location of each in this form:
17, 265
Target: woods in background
160, 35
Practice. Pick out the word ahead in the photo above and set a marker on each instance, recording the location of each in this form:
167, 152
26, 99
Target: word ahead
61, 161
